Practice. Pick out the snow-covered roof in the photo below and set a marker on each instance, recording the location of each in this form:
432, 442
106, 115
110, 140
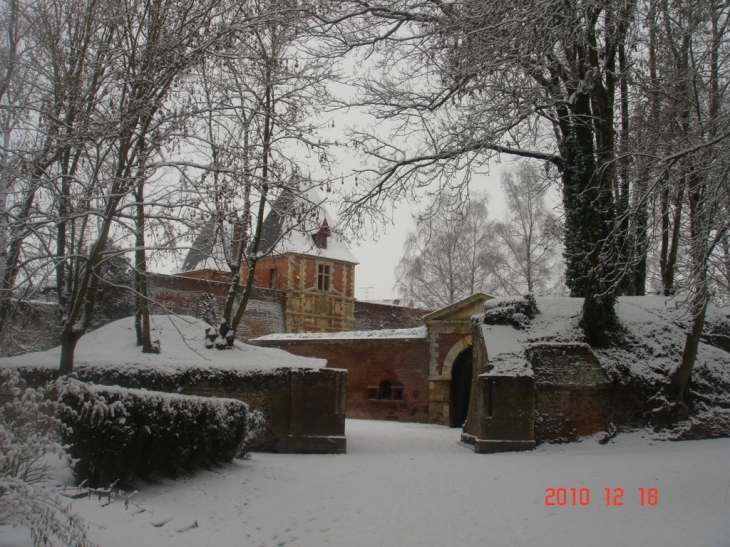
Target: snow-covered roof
415, 332
182, 340
461, 310
202, 255
289, 227
285, 238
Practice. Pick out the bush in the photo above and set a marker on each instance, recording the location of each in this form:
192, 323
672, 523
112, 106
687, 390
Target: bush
28, 433
515, 311
114, 432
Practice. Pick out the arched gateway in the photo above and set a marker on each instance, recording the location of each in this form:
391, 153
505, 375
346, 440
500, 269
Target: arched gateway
450, 366
460, 391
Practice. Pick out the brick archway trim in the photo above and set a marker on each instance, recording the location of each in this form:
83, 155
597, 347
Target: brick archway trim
454, 352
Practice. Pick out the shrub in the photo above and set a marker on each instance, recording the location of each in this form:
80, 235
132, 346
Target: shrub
28, 432
114, 432
514, 311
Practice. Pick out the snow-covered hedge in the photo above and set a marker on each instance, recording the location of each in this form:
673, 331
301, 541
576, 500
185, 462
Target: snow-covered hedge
510, 311
115, 432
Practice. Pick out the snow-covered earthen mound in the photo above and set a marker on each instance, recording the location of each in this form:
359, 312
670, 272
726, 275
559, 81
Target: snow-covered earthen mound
182, 343
644, 352
649, 345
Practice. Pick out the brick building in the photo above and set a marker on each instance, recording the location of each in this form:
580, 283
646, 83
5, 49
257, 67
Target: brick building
310, 263
418, 375
304, 299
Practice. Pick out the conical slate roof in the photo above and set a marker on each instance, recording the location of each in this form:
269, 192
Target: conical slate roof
202, 248
275, 223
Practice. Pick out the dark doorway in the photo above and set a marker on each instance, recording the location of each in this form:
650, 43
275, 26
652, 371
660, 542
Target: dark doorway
460, 388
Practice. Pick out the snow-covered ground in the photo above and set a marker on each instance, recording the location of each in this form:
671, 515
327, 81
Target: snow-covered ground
413, 485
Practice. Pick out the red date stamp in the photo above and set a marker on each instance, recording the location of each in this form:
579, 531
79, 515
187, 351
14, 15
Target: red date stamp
614, 497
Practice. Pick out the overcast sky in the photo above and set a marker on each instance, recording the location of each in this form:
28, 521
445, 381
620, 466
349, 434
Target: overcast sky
374, 277
378, 254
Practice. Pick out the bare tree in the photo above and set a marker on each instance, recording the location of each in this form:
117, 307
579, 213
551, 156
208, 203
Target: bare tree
103, 74
686, 86
25, 153
449, 256
529, 236
466, 81
258, 102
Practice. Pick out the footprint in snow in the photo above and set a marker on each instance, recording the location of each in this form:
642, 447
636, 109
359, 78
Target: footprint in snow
189, 527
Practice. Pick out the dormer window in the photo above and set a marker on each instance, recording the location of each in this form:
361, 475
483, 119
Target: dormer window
320, 238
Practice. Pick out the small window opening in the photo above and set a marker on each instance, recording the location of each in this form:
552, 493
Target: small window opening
323, 277
320, 238
272, 278
490, 395
385, 391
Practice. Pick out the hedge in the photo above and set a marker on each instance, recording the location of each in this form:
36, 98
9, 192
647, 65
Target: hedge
115, 432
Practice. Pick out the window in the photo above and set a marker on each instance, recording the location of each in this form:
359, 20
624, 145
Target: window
385, 391
320, 238
323, 277
272, 278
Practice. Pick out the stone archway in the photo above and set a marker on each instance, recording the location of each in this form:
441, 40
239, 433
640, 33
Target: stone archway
449, 334
456, 350
460, 388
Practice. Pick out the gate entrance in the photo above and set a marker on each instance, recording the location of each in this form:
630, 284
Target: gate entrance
461, 374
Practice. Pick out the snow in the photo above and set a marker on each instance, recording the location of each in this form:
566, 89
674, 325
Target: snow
415, 332
182, 339
300, 240
507, 365
655, 328
407, 485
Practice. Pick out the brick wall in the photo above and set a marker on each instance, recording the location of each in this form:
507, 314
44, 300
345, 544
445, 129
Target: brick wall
569, 392
402, 362
374, 316
573, 396
204, 299
31, 327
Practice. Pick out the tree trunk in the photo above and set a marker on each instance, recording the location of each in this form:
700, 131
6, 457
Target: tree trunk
674, 246
269, 105
586, 227
664, 248
142, 319
681, 376
69, 339
627, 233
